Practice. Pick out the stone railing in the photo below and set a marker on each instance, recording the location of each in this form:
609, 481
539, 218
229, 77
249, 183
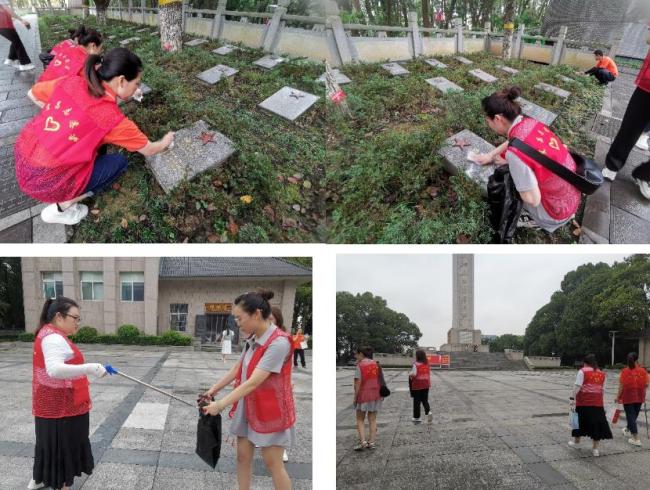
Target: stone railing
328, 38
537, 362
514, 355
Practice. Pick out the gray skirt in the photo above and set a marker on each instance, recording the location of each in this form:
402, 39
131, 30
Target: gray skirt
373, 406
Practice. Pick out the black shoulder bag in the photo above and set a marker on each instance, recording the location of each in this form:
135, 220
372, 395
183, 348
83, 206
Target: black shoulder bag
587, 178
383, 389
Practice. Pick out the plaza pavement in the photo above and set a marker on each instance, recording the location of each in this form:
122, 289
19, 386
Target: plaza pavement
142, 440
496, 430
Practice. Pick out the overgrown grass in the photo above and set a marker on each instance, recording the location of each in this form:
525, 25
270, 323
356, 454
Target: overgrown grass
372, 178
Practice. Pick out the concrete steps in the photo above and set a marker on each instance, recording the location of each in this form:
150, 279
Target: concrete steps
485, 361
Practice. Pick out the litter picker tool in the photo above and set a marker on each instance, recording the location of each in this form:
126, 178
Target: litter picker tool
111, 370
647, 428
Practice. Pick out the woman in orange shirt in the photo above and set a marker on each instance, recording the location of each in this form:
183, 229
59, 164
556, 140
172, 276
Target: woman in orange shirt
57, 151
297, 341
632, 388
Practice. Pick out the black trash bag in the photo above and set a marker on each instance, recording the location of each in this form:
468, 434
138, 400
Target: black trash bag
45, 58
208, 438
505, 205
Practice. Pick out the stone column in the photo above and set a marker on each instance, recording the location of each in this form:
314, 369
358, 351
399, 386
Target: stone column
416, 39
111, 284
519, 42
218, 20
335, 23
151, 268
488, 41
558, 49
30, 293
71, 280
130, 10
142, 7
460, 46
288, 301
273, 29
184, 15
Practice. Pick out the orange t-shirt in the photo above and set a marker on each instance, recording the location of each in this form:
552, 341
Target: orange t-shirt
126, 134
609, 65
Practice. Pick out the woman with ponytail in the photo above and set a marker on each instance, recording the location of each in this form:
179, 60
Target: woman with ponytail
70, 59
57, 151
263, 410
632, 389
60, 398
549, 200
73, 40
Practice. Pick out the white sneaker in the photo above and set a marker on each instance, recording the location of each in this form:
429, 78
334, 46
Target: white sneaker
634, 442
643, 143
9, 62
71, 216
285, 456
429, 417
609, 174
574, 444
34, 486
644, 187
28, 67
626, 432
416, 421
595, 452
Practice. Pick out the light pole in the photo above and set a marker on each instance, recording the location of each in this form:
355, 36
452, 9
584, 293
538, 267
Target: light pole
612, 334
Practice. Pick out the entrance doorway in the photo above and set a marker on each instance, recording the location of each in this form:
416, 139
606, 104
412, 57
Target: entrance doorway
211, 325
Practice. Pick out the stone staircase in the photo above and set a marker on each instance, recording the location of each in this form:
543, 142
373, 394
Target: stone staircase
485, 361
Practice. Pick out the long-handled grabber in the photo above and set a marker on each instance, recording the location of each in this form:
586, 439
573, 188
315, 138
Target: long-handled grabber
647, 427
111, 370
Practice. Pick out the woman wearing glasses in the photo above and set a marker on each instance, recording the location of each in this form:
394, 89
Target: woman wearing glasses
60, 398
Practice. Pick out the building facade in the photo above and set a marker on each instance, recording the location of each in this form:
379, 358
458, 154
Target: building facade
190, 295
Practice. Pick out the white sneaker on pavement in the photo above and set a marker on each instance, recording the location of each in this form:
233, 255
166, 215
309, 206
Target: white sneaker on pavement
595, 452
34, 486
416, 421
429, 417
643, 143
634, 442
71, 216
9, 62
626, 432
574, 444
644, 187
27, 67
609, 174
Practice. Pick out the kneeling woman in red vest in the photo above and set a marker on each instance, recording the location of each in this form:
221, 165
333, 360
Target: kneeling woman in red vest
57, 151
367, 382
419, 384
549, 200
263, 412
60, 398
69, 58
589, 401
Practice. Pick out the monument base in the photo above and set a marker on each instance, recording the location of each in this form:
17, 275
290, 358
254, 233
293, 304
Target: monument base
464, 348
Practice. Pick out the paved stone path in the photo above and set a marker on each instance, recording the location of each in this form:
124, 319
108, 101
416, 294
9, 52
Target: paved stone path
135, 452
505, 430
617, 212
19, 214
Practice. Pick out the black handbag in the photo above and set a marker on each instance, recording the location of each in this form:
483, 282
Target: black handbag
208, 438
505, 205
587, 178
383, 389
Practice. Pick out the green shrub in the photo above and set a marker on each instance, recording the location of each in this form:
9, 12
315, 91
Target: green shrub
128, 333
107, 339
149, 340
85, 335
171, 337
26, 337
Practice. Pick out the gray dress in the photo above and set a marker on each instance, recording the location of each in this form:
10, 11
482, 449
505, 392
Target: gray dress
272, 360
373, 406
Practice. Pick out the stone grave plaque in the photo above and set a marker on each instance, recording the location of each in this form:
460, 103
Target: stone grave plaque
339, 77
196, 149
289, 103
269, 62
110, 38
144, 29
216, 74
395, 69
454, 151
444, 85
144, 88
553, 90
129, 41
435, 63
566, 79
224, 50
535, 111
196, 42
463, 60
483, 76
507, 69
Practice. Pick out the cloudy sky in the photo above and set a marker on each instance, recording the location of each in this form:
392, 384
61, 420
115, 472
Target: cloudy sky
508, 289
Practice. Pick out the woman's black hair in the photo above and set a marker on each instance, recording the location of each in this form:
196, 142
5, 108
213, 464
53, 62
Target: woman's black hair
90, 36
279, 319
366, 350
117, 62
258, 300
502, 102
421, 356
598, 52
590, 360
632, 357
52, 307
78, 32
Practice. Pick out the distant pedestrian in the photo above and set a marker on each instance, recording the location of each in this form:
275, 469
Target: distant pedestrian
589, 391
632, 388
299, 345
17, 56
367, 399
605, 70
226, 343
420, 382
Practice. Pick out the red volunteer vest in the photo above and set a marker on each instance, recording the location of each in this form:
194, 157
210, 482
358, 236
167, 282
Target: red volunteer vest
5, 18
559, 198
422, 379
643, 78
634, 383
270, 407
62, 46
68, 61
55, 151
57, 398
369, 382
591, 391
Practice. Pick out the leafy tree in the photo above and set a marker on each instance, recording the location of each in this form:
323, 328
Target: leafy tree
12, 314
507, 341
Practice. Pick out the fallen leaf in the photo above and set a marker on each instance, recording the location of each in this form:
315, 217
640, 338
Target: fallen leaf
233, 227
269, 212
433, 191
420, 209
289, 223
211, 207
462, 239
124, 223
247, 199
280, 178
292, 180
143, 217
213, 238
217, 183
95, 211
298, 176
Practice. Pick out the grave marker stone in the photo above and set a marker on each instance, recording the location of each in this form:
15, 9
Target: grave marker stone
196, 42
483, 76
507, 69
444, 85
216, 73
463, 60
435, 63
395, 69
269, 62
339, 77
564, 94
455, 150
289, 103
535, 111
224, 50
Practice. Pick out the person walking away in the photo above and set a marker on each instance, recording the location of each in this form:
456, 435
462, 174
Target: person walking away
588, 392
17, 56
632, 388
367, 399
420, 377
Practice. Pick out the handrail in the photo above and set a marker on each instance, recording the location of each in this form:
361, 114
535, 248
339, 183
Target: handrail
364, 27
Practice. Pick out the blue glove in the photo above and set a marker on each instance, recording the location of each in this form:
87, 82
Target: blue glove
110, 369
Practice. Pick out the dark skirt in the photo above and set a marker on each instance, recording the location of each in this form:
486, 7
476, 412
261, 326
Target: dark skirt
593, 424
62, 450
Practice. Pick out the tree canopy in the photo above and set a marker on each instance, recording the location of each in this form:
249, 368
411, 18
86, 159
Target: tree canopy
593, 300
365, 319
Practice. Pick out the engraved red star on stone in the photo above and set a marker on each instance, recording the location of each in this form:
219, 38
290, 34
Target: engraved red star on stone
206, 138
461, 143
